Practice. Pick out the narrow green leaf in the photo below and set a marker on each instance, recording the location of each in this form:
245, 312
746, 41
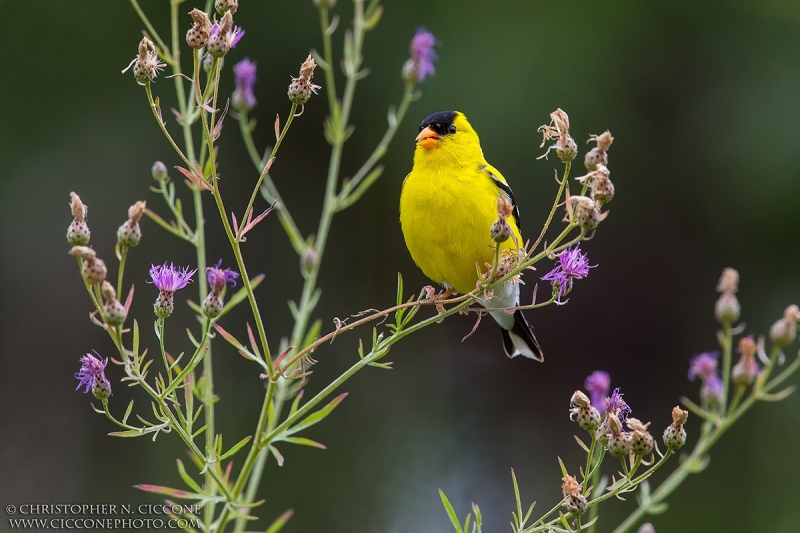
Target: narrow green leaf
313, 332
279, 522
517, 499
467, 522
563, 468
194, 307
191, 338
658, 508
296, 402
317, 416
450, 512
399, 288
188, 479
306, 442
127, 412
277, 454
135, 338
199, 431
581, 444
127, 433
236, 447
168, 491
776, 396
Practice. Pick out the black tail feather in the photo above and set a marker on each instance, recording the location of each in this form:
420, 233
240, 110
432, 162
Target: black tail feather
523, 332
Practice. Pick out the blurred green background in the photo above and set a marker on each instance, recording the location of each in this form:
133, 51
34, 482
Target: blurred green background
704, 102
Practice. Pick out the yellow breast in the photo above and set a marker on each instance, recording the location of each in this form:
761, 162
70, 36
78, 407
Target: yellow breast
446, 214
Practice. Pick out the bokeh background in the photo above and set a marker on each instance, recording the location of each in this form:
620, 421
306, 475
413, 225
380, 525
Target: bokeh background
703, 100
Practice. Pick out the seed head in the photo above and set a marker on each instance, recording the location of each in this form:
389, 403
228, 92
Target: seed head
603, 140
619, 442
582, 410
584, 212
114, 313
573, 499
558, 130
675, 434
784, 331
642, 441
197, 36
146, 64
301, 89
602, 190
594, 158
746, 370
78, 233
729, 281
129, 233
93, 269
223, 6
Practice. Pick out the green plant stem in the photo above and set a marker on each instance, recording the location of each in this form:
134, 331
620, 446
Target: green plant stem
167, 56
123, 255
330, 80
556, 202
726, 365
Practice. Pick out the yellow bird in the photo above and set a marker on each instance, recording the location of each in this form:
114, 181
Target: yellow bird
447, 207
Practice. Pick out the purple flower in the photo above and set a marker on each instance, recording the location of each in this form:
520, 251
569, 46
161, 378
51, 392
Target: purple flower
712, 391
704, 366
234, 35
615, 404
92, 376
245, 73
217, 277
422, 55
572, 264
598, 384
169, 278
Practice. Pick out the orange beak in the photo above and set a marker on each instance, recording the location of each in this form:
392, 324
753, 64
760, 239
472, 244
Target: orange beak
428, 138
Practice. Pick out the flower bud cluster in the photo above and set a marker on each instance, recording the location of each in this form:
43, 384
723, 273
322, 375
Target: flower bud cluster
129, 233
114, 313
93, 269
675, 434
727, 309
784, 331
78, 233
146, 64
301, 89
558, 130
574, 500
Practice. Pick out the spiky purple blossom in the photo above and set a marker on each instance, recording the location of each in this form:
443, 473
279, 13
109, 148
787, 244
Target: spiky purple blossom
217, 277
170, 278
92, 376
572, 264
245, 74
234, 35
422, 54
615, 404
704, 366
598, 384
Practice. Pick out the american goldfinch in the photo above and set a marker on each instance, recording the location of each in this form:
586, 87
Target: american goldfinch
447, 208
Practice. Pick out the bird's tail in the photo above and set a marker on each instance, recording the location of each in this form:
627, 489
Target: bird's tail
520, 340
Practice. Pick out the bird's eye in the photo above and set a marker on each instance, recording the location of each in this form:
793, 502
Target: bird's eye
452, 129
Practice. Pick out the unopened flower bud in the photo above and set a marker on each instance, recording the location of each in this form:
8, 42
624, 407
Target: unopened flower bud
78, 233
308, 260
222, 6
159, 171
212, 305
642, 441
301, 89
101, 389
93, 269
197, 36
573, 499
675, 434
130, 233
165, 304
746, 370
783, 332
727, 309
619, 442
582, 410
729, 281
114, 313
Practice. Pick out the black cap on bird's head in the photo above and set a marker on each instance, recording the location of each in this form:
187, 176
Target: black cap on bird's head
436, 126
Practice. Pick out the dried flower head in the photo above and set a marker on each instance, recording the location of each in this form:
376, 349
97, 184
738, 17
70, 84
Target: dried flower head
675, 434
581, 409
93, 269
78, 233
603, 140
573, 499
598, 384
584, 211
197, 36
130, 233
679, 416
784, 331
642, 441
558, 130
224, 36
222, 6
746, 370
619, 442
114, 313
729, 281
243, 98
92, 376
602, 190
572, 265
301, 89
146, 63
420, 65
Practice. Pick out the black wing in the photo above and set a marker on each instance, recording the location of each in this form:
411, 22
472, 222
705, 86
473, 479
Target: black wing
506, 189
